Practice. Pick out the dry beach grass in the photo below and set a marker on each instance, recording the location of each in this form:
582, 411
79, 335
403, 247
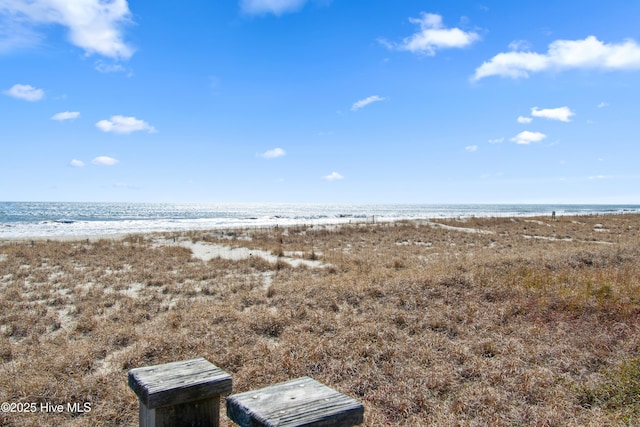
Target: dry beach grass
494, 321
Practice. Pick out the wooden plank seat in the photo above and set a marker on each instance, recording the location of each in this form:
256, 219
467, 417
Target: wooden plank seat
185, 393
300, 402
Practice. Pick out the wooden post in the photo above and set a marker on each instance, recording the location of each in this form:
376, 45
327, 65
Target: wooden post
179, 394
300, 402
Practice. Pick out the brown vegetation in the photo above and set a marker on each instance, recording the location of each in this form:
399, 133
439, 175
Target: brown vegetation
494, 321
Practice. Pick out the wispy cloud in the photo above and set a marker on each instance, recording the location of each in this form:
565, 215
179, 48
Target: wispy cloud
432, 36
589, 53
25, 92
364, 102
14, 36
519, 45
272, 154
76, 163
107, 68
496, 140
277, 7
104, 161
471, 148
124, 125
125, 186
65, 115
603, 104
526, 137
333, 176
562, 113
94, 25
524, 120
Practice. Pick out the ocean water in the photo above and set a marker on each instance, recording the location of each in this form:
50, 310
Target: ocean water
60, 219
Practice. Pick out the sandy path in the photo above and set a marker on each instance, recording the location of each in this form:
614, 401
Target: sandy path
208, 251
461, 229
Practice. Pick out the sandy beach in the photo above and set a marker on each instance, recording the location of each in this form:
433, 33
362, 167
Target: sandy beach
482, 321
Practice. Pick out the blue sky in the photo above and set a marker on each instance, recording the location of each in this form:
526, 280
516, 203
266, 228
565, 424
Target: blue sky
327, 101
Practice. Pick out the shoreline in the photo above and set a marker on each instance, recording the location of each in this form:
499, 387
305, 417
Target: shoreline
372, 220
85, 220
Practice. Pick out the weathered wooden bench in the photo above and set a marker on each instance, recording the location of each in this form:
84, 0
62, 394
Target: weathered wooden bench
300, 402
185, 393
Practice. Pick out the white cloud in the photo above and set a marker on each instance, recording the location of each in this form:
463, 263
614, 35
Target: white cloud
275, 153
603, 104
496, 140
364, 102
333, 176
26, 92
562, 113
471, 148
589, 53
77, 163
104, 161
433, 36
94, 25
109, 68
526, 137
519, 45
524, 120
66, 115
124, 125
277, 7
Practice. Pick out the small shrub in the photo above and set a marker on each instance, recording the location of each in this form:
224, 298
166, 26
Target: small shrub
398, 264
619, 392
271, 291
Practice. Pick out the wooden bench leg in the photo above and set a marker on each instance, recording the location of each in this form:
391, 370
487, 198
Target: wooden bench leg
199, 413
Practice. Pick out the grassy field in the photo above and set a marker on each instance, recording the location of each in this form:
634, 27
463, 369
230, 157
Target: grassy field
495, 321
